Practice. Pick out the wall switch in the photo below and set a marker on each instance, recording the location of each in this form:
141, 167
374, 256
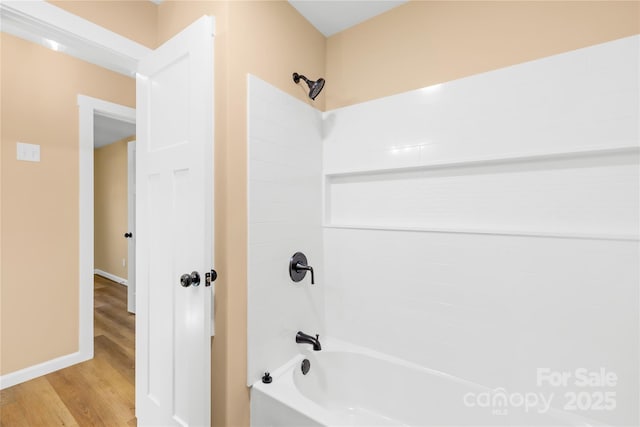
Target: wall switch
28, 152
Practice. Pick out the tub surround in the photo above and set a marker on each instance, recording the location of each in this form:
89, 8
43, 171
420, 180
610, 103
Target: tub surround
498, 215
502, 212
502, 209
285, 217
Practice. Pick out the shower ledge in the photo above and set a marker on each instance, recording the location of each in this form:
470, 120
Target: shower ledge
583, 152
587, 151
488, 231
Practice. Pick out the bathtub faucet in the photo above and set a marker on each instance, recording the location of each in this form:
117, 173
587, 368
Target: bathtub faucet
301, 338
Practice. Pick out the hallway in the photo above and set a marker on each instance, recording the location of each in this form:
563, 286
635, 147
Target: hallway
99, 392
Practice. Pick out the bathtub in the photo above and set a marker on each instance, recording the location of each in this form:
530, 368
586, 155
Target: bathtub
349, 385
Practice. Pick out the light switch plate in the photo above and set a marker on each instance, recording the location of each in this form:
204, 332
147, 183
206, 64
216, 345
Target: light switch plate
28, 152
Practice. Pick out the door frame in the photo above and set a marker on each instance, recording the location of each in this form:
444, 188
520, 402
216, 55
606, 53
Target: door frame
131, 226
45, 24
88, 107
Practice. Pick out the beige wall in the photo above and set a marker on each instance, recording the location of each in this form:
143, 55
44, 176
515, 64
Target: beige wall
271, 40
426, 42
39, 318
110, 208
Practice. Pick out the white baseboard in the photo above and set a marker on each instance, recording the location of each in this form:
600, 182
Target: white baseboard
110, 276
40, 369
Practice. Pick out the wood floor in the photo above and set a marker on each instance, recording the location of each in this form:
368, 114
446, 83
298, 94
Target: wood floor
99, 392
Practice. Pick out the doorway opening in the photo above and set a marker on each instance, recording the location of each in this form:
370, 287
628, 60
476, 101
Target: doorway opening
114, 199
98, 119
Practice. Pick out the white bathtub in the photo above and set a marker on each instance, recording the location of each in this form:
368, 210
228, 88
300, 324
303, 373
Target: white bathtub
353, 386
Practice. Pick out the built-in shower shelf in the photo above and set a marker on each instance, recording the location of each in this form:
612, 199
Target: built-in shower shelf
591, 151
494, 232
588, 193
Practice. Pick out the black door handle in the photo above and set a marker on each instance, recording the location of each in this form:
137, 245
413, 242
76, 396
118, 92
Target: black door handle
128, 234
192, 279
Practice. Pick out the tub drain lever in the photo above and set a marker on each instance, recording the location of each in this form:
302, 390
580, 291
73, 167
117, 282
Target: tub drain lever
267, 378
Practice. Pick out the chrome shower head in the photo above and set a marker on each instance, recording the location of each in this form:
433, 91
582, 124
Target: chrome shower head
314, 86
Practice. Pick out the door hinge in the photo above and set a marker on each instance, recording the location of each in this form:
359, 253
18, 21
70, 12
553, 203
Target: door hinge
210, 277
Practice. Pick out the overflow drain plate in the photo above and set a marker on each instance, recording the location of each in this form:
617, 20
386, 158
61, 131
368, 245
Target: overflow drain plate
306, 365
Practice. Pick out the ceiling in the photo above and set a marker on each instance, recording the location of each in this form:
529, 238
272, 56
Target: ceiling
332, 16
107, 130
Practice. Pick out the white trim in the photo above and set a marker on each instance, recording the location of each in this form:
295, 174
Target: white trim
43, 23
108, 109
40, 369
89, 106
131, 222
110, 276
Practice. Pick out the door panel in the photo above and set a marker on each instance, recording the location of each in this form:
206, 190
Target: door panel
174, 229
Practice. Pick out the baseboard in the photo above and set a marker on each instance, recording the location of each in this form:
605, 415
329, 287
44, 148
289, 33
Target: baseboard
40, 369
111, 277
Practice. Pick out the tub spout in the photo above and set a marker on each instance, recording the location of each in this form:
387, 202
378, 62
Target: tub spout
302, 338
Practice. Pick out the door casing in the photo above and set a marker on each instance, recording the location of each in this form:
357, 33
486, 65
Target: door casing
131, 220
88, 107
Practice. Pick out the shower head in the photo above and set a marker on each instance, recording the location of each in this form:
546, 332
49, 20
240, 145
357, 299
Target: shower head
314, 86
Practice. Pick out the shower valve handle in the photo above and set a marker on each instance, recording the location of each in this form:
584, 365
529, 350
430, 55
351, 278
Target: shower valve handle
298, 268
306, 268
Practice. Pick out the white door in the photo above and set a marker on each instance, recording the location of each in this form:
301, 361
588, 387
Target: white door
174, 217
131, 220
